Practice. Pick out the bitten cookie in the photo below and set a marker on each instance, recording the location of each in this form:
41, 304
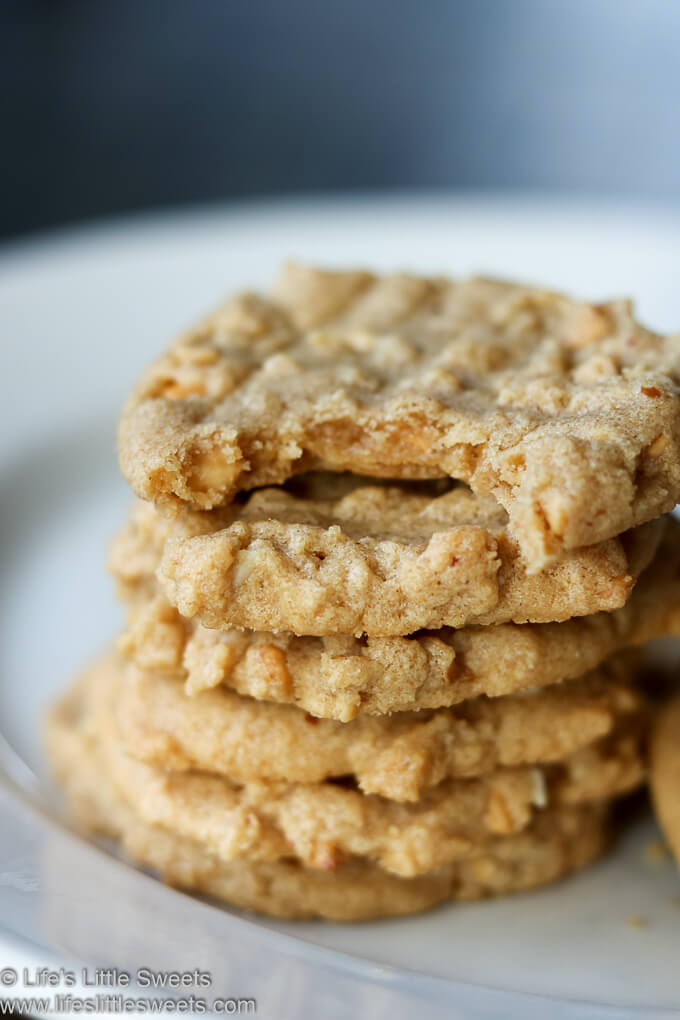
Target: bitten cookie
567, 413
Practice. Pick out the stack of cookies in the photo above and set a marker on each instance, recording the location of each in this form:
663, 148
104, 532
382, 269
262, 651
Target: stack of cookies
396, 542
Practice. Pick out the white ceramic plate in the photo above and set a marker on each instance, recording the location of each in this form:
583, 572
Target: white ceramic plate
80, 314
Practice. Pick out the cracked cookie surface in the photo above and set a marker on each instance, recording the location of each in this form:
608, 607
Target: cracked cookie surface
379, 560
557, 842
398, 757
322, 824
343, 677
568, 413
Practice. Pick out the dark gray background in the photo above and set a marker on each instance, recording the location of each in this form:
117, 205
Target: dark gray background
120, 105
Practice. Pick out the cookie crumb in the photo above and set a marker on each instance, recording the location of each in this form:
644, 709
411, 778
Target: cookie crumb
539, 786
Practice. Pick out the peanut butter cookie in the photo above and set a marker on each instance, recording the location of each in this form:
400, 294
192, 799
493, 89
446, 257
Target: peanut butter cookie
343, 677
380, 561
567, 413
558, 841
398, 756
322, 824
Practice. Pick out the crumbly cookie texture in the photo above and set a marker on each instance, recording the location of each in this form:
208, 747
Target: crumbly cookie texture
384, 562
559, 840
380, 561
567, 413
325, 823
398, 756
665, 772
343, 677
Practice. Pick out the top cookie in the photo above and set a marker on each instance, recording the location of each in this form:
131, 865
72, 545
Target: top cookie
568, 413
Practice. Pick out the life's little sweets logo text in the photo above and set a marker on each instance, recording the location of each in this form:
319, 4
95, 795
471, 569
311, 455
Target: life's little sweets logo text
107, 990
105, 977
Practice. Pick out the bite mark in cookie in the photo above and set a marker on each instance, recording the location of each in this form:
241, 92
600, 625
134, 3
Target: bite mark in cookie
567, 413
